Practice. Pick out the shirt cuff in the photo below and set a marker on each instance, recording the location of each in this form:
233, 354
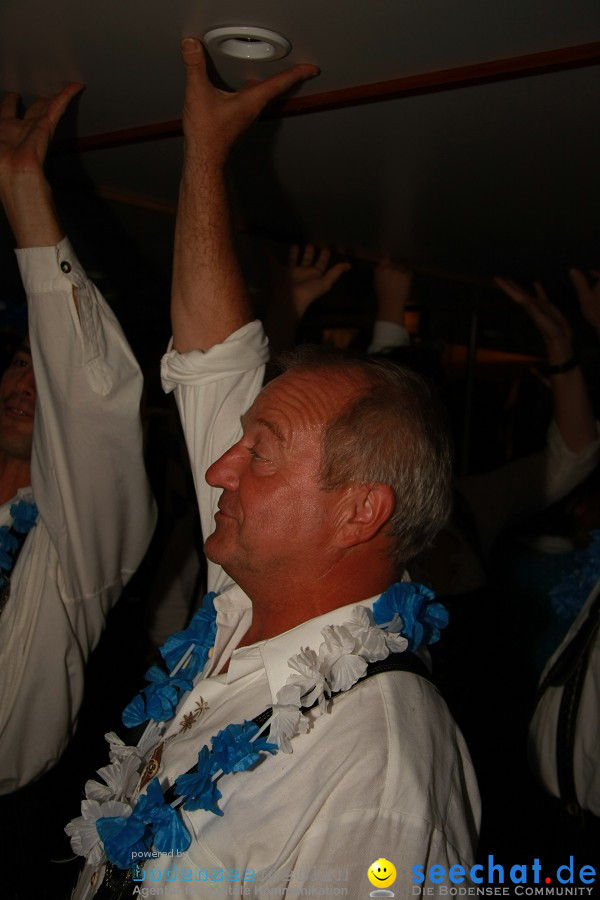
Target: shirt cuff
387, 335
243, 351
47, 270
558, 447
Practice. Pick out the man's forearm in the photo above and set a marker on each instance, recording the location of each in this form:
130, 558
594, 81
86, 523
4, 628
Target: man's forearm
573, 411
209, 297
30, 210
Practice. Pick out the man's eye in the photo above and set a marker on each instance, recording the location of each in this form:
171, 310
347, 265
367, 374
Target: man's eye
22, 363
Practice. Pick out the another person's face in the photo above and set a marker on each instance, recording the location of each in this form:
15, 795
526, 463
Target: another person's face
273, 514
17, 405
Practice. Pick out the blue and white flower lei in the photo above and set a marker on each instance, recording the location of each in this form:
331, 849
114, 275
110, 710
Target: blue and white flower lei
568, 597
116, 823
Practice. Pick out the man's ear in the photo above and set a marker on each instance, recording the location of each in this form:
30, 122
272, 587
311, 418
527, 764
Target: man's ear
366, 509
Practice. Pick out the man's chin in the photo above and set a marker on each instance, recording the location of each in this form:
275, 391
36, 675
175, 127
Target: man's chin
215, 550
16, 445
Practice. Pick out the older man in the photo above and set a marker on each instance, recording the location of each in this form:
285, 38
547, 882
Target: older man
76, 508
336, 474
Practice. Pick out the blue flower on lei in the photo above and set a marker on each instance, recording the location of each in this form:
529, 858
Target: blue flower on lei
198, 788
152, 823
234, 750
159, 700
122, 837
199, 635
169, 832
421, 618
24, 516
8, 544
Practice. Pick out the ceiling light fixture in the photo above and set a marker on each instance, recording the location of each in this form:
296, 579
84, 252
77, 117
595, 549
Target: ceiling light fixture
247, 42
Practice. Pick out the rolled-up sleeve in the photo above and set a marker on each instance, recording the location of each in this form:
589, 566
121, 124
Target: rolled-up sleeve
213, 389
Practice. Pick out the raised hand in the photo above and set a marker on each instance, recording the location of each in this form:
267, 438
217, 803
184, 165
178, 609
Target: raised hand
311, 276
214, 119
24, 141
550, 322
572, 408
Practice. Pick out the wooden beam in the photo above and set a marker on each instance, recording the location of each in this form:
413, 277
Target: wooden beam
447, 79
139, 201
408, 86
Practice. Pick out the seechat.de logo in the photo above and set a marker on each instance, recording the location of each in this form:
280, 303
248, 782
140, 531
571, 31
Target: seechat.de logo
492, 873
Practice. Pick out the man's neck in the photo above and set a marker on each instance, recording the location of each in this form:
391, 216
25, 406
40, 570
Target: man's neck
274, 612
15, 473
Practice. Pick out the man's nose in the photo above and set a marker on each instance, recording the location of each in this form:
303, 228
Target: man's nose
225, 472
26, 381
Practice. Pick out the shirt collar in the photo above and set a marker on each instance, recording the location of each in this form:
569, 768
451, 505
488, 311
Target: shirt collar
274, 653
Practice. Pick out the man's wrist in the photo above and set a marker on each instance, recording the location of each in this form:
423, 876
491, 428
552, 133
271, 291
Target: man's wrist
29, 208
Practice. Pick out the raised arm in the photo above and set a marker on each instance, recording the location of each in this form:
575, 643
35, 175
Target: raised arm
24, 191
572, 408
88, 481
393, 284
209, 298
588, 295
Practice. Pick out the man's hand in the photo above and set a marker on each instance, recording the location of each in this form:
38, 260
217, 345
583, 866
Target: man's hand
310, 277
549, 321
588, 296
213, 119
24, 142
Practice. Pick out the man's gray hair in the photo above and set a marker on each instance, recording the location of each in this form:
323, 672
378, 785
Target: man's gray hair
393, 432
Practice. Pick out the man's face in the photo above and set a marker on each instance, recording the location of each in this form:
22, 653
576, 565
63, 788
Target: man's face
273, 514
17, 405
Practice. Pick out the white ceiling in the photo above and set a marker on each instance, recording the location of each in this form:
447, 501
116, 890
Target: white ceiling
501, 176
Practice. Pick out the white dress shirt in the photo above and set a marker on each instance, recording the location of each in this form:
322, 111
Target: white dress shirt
96, 510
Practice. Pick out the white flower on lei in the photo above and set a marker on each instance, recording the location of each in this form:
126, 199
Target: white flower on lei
374, 643
311, 680
119, 750
287, 719
85, 839
120, 777
340, 662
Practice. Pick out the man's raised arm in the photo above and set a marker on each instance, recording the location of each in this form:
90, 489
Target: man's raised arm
24, 191
209, 298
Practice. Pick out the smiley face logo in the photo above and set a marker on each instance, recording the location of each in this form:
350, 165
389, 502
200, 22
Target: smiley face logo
381, 873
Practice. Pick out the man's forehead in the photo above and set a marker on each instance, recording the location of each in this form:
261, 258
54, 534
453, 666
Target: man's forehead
313, 396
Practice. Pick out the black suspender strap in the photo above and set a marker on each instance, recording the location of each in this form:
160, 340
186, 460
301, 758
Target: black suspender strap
395, 662
568, 671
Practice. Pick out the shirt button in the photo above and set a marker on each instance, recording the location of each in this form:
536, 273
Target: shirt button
65, 266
